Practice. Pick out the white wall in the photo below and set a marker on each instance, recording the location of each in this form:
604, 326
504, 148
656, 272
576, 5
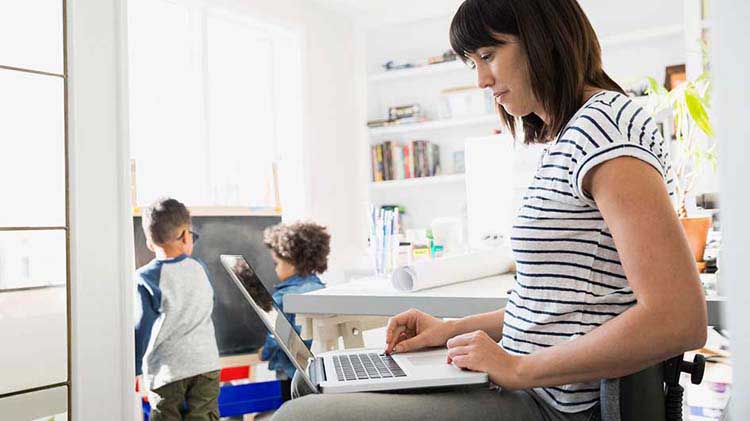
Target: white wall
731, 92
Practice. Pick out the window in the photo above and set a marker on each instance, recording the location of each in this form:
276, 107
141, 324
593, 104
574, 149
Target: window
34, 245
208, 105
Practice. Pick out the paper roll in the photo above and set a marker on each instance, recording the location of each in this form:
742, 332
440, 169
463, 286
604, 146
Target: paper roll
432, 273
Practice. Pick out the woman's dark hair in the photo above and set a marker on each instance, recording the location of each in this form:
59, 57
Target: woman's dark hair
303, 244
562, 52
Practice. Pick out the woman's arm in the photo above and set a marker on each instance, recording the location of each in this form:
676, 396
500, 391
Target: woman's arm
670, 315
414, 329
491, 323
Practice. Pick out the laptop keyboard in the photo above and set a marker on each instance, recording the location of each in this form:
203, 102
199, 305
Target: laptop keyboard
366, 366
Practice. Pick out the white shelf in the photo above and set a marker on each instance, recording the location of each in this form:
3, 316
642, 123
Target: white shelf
641, 35
435, 125
430, 69
420, 181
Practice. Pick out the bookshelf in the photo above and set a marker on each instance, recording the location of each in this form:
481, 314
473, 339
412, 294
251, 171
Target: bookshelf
434, 125
414, 72
417, 182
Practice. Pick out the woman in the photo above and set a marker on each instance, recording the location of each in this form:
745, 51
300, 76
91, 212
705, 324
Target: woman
606, 284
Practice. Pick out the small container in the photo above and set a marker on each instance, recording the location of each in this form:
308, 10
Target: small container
403, 257
437, 251
465, 101
420, 252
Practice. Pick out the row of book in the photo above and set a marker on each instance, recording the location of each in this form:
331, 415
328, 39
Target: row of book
395, 161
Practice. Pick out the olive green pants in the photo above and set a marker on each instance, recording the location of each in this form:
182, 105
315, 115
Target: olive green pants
192, 399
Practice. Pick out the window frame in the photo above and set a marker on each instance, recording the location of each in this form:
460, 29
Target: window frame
278, 36
54, 402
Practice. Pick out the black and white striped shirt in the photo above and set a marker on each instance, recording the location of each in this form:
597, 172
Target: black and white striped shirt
569, 276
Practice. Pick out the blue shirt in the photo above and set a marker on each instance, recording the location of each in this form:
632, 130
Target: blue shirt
272, 353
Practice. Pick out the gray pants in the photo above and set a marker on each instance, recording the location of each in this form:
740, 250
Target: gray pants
478, 403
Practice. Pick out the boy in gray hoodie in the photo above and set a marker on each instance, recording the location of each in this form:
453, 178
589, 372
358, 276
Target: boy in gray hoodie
176, 350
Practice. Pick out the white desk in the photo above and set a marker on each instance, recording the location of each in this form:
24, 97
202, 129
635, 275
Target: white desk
376, 297
349, 308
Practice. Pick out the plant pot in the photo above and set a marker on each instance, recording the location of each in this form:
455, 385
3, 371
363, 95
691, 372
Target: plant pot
696, 230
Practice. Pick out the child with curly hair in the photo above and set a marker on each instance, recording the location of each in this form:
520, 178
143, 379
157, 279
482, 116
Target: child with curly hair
300, 252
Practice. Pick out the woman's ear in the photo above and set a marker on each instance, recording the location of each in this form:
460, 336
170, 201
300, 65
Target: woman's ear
149, 244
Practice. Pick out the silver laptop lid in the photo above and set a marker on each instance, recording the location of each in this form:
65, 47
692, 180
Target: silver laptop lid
257, 295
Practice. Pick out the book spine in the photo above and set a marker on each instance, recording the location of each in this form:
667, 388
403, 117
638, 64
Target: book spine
396, 161
424, 160
411, 159
430, 159
401, 159
381, 168
416, 159
388, 160
407, 169
434, 159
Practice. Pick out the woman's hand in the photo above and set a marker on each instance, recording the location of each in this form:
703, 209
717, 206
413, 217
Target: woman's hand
476, 351
413, 330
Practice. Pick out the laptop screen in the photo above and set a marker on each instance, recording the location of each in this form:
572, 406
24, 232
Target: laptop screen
257, 294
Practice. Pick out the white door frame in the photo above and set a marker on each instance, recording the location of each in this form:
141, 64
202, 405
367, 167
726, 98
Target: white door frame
101, 227
729, 35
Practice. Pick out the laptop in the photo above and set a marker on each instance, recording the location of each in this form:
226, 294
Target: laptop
350, 370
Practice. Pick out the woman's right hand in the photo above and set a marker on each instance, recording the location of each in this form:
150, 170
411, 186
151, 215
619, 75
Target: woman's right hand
413, 330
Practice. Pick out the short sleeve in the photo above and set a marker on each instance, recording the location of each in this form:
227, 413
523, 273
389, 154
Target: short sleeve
603, 132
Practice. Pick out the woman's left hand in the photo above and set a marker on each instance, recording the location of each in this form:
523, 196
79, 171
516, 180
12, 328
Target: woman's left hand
476, 351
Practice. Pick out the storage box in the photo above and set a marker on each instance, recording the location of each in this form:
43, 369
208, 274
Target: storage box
466, 101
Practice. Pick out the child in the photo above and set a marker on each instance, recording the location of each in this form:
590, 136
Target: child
175, 346
300, 252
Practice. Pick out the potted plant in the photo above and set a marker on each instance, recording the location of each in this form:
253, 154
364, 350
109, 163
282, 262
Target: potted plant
694, 148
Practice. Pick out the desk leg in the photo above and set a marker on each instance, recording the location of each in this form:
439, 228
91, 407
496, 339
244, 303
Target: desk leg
325, 334
326, 330
352, 334
307, 326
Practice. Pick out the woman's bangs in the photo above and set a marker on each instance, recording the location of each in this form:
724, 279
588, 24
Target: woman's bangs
468, 32
470, 28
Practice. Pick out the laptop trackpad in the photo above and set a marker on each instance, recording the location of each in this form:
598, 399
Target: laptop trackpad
427, 358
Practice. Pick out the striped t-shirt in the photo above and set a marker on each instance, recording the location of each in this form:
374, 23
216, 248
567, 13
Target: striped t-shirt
569, 276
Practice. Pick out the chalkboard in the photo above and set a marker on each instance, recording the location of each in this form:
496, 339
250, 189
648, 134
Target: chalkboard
238, 329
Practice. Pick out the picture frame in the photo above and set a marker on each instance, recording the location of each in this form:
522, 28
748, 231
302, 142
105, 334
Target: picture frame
674, 75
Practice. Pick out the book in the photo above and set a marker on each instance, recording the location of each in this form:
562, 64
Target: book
380, 163
387, 161
407, 163
377, 163
434, 159
417, 159
397, 152
430, 159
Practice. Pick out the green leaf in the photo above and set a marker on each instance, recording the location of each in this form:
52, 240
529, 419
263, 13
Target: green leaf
698, 112
653, 85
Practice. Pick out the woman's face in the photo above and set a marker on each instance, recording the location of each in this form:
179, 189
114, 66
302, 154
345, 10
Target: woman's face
284, 269
502, 68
